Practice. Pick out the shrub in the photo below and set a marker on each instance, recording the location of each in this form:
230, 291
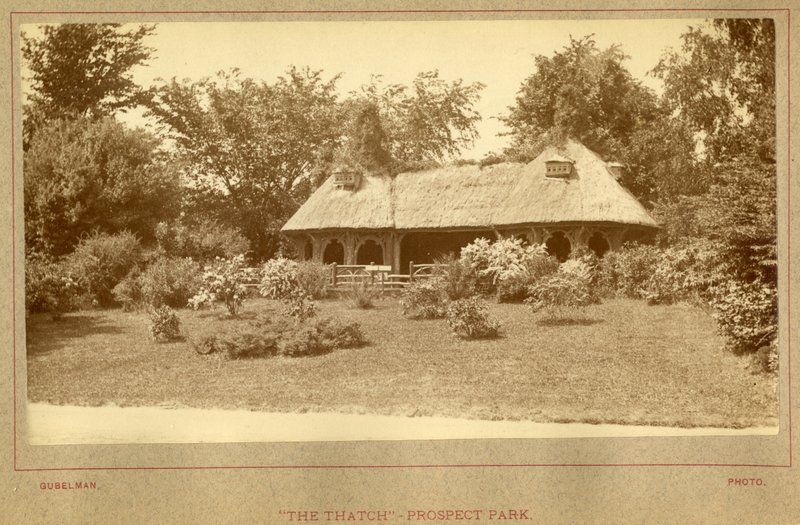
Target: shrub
634, 265
469, 319
281, 276
101, 261
202, 241
300, 306
458, 279
223, 281
164, 324
561, 294
313, 278
507, 267
362, 294
128, 292
321, 337
248, 345
49, 288
682, 273
206, 344
340, 334
169, 280
746, 314
765, 359
425, 299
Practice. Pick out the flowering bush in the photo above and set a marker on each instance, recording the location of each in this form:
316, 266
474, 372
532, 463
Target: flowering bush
279, 278
746, 313
425, 299
300, 306
49, 288
506, 266
223, 281
282, 277
561, 294
164, 324
469, 319
458, 279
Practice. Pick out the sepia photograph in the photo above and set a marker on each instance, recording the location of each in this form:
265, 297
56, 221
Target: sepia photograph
281, 231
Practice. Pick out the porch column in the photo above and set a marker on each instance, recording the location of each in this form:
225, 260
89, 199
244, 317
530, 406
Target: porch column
349, 248
395, 240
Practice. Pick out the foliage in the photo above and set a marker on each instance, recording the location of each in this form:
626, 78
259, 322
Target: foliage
457, 277
633, 266
49, 287
747, 314
223, 281
429, 121
425, 299
683, 273
247, 344
365, 147
321, 337
203, 240
248, 146
562, 293
169, 281
722, 83
313, 278
506, 266
100, 261
164, 324
362, 294
84, 69
281, 278
582, 92
300, 306
469, 319
83, 175
128, 292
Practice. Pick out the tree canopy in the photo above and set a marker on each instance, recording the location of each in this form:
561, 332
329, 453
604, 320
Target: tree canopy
85, 69
83, 175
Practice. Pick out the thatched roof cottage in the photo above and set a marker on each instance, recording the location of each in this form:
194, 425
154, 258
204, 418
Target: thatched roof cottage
566, 197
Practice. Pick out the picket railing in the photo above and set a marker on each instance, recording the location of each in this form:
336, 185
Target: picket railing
381, 276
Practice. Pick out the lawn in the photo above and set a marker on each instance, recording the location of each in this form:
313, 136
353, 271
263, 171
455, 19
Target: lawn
628, 363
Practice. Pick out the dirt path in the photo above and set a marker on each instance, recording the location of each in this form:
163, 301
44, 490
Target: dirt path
56, 425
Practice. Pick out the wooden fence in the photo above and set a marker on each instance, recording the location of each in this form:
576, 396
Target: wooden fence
381, 276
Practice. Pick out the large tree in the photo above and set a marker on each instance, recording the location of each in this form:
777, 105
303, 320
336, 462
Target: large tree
85, 69
86, 174
429, 121
247, 146
722, 83
587, 93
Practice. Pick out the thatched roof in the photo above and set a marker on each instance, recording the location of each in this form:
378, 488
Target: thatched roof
473, 197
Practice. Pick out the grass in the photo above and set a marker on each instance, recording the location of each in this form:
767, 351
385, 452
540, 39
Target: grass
629, 363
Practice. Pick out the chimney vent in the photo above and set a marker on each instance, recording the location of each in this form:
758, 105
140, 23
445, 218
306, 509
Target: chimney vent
346, 180
558, 167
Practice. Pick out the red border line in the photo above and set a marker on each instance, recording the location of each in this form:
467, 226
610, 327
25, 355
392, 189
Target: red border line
397, 11
403, 11
789, 219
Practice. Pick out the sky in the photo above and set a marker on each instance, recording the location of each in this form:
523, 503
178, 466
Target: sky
497, 53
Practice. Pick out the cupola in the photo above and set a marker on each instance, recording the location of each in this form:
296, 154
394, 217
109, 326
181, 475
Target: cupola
558, 167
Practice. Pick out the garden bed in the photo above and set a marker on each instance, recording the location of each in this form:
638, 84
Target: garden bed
626, 363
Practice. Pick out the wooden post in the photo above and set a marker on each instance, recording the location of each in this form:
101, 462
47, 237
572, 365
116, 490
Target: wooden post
371, 275
410, 271
333, 274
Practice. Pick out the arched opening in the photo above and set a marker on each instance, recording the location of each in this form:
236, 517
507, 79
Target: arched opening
334, 253
558, 246
308, 251
370, 252
598, 244
426, 247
